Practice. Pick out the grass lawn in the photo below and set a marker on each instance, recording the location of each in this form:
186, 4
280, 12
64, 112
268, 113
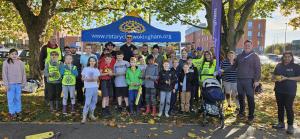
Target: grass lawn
34, 110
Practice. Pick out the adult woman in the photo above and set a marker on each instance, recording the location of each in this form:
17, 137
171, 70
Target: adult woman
208, 66
287, 74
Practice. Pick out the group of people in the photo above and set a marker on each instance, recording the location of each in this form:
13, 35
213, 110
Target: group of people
147, 80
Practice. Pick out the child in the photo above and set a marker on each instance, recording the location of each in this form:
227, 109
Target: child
167, 79
150, 76
175, 68
14, 76
134, 82
90, 76
106, 71
186, 81
53, 76
142, 66
69, 73
195, 87
120, 82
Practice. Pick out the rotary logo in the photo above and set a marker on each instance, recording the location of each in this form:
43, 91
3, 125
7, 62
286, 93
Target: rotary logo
132, 26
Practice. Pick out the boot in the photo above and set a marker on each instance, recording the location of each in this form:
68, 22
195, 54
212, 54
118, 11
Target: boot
64, 109
147, 109
104, 113
51, 106
290, 129
83, 118
72, 108
91, 116
107, 111
56, 105
153, 110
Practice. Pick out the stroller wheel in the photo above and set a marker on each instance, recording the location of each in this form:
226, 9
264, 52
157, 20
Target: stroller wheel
205, 121
222, 124
221, 120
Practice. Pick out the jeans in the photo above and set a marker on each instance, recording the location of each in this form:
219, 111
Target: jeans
151, 96
245, 87
66, 90
165, 100
285, 102
91, 98
131, 98
14, 98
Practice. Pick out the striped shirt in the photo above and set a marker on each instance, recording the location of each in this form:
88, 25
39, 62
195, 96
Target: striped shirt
228, 76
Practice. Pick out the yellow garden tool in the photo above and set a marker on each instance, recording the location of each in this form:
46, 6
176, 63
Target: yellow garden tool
45, 135
137, 100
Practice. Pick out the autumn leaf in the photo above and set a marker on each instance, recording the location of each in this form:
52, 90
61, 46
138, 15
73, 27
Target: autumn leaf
151, 121
153, 128
168, 131
192, 135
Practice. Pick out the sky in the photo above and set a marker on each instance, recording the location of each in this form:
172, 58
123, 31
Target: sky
275, 28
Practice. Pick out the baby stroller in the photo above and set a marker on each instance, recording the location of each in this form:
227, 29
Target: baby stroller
212, 100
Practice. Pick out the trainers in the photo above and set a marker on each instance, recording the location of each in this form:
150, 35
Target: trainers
279, 126
290, 129
83, 118
119, 109
240, 116
159, 114
167, 115
250, 121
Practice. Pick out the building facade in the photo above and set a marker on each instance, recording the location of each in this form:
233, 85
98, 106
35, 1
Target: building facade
254, 30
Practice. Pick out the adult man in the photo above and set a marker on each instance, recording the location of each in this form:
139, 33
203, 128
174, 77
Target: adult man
144, 50
85, 57
45, 56
79, 83
158, 57
248, 76
128, 48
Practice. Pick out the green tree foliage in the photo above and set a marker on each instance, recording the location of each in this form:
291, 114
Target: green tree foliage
40, 18
289, 7
235, 15
277, 48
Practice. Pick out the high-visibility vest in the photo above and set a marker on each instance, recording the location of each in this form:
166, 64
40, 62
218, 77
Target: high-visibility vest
207, 72
69, 78
54, 71
49, 50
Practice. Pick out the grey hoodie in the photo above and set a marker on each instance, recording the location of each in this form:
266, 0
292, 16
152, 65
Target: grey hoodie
151, 71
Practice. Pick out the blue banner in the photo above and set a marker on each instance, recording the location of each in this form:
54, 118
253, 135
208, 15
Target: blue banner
140, 30
216, 25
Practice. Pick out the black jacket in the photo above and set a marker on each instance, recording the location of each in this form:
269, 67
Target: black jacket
190, 81
164, 76
127, 51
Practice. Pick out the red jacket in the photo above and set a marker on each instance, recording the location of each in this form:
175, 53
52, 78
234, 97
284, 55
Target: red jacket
104, 68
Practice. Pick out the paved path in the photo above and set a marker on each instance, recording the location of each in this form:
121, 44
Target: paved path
139, 131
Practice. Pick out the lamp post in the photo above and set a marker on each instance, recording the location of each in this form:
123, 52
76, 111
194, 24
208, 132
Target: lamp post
285, 37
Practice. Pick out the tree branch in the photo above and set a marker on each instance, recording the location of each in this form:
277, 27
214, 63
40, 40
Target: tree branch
241, 7
244, 17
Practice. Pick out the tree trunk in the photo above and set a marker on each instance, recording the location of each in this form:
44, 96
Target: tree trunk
34, 51
36, 26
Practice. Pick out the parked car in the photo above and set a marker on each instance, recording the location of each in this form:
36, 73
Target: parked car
24, 55
4, 53
266, 60
273, 57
